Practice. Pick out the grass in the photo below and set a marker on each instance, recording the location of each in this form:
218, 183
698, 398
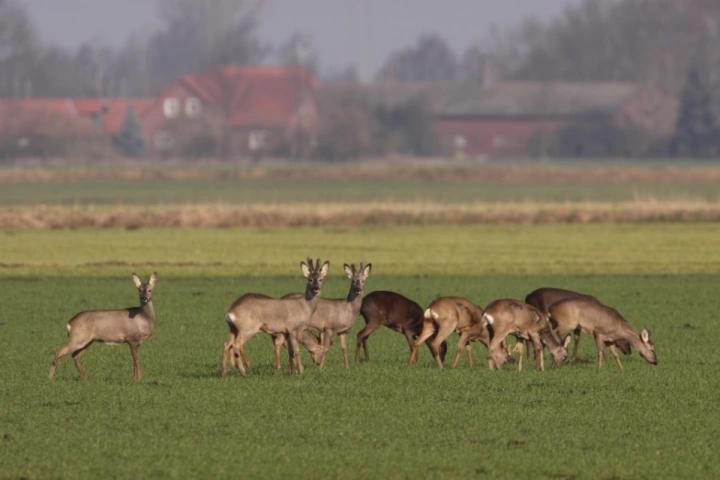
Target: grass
282, 190
378, 419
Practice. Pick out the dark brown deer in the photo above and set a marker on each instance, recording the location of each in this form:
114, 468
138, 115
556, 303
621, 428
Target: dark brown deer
114, 327
286, 316
605, 324
508, 316
396, 312
543, 298
454, 314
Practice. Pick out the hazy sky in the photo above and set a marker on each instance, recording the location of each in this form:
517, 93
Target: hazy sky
360, 32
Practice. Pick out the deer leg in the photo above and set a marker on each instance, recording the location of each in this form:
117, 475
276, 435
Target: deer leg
520, 346
362, 337
343, 345
296, 351
462, 343
227, 349
576, 338
60, 354
539, 359
427, 331
237, 345
278, 342
326, 337
443, 332
614, 353
76, 357
468, 349
136, 360
599, 343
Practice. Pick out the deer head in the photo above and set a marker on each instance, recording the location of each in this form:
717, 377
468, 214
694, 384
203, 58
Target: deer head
145, 289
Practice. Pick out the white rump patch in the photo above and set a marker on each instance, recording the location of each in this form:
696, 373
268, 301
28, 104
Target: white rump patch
68, 327
230, 318
430, 314
488, 318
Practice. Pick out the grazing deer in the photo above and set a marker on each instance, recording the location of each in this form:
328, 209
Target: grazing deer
507, 316
130, 325
605, 324
448, 314
250, 314
543, 298
396, 312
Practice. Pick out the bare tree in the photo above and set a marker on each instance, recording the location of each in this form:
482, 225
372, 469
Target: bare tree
299, 51
430, 60
195, 37
19, 50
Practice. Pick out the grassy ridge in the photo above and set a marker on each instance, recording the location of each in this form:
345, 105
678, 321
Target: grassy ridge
374, 420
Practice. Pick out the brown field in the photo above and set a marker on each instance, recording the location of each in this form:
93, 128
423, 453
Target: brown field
354, 214
371, 170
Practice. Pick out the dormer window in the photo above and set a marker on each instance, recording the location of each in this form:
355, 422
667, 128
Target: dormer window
192, 107
171, 107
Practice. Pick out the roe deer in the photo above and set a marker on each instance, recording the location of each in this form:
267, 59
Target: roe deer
605, 324
338, 315
130, 325
507, 316
286, 316
278, 341
448, 314
543, 298
396, 312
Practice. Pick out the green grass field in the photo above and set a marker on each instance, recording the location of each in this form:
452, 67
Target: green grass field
377, 419
280, 190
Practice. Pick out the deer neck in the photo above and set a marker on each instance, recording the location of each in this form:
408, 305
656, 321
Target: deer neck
312, 298
632, 336
148, 311
354, 299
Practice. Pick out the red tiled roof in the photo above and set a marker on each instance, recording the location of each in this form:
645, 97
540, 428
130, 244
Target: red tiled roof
29, 116
112, 110
255, 95
66, 115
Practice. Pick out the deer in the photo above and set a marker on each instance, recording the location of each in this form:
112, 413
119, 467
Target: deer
507, 316
113, 327
289, 317
604, 323
396, 312
448, 314
543, 298
315, 347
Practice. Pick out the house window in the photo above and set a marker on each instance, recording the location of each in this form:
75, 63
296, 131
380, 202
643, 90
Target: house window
192, 107
171, 107
257, 140
164, 140
499, 141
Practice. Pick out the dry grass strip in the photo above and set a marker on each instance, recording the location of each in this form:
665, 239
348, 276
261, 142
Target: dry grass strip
354, 214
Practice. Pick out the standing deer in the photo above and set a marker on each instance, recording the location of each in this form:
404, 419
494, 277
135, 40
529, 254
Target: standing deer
605, 324
448, 314
543, 298
396, 312
250, 314
507, 316
114, 327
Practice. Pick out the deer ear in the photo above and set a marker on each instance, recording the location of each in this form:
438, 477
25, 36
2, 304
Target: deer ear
366, 270
566, 343
325, 268
645, 336
137, 281
348, 270
153, 279
305, 269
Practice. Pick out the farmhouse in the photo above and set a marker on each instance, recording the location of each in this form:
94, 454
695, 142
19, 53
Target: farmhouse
228, 110
502, 118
